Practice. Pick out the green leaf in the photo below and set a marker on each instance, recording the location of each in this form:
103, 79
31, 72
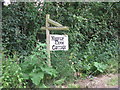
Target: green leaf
42, 86
100, 67
49, 70
37, 77
25, 76
61, 81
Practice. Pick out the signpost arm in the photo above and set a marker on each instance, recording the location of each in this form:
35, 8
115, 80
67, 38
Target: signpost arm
47, 39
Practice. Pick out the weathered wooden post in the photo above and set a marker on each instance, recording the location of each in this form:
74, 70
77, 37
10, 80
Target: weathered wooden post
47, 39
48, 28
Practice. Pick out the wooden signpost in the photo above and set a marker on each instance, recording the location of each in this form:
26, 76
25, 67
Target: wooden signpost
48, 28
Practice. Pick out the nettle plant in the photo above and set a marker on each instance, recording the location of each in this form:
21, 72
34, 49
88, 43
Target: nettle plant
35, 67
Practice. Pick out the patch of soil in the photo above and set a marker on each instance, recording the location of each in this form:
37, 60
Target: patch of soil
97, 82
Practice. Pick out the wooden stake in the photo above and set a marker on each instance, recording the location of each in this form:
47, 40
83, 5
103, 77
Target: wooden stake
47, 39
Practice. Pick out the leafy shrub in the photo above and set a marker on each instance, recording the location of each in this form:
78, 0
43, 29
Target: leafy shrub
12, 76
95, 58
35, 67
61, 62
112, 65
19, 27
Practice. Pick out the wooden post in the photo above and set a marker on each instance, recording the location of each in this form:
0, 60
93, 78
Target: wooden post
47, 39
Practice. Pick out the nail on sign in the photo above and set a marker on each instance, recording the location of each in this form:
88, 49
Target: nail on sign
58, 42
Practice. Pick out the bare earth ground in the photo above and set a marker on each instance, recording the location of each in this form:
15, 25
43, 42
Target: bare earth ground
102, 81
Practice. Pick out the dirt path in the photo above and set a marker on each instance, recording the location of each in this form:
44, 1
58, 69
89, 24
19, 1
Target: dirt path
103, 81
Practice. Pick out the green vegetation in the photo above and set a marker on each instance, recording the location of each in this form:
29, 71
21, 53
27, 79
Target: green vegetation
73, 86
93, 43
12, 74
113, 81
35, 67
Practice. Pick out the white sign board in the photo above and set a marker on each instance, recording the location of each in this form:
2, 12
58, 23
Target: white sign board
58, 42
